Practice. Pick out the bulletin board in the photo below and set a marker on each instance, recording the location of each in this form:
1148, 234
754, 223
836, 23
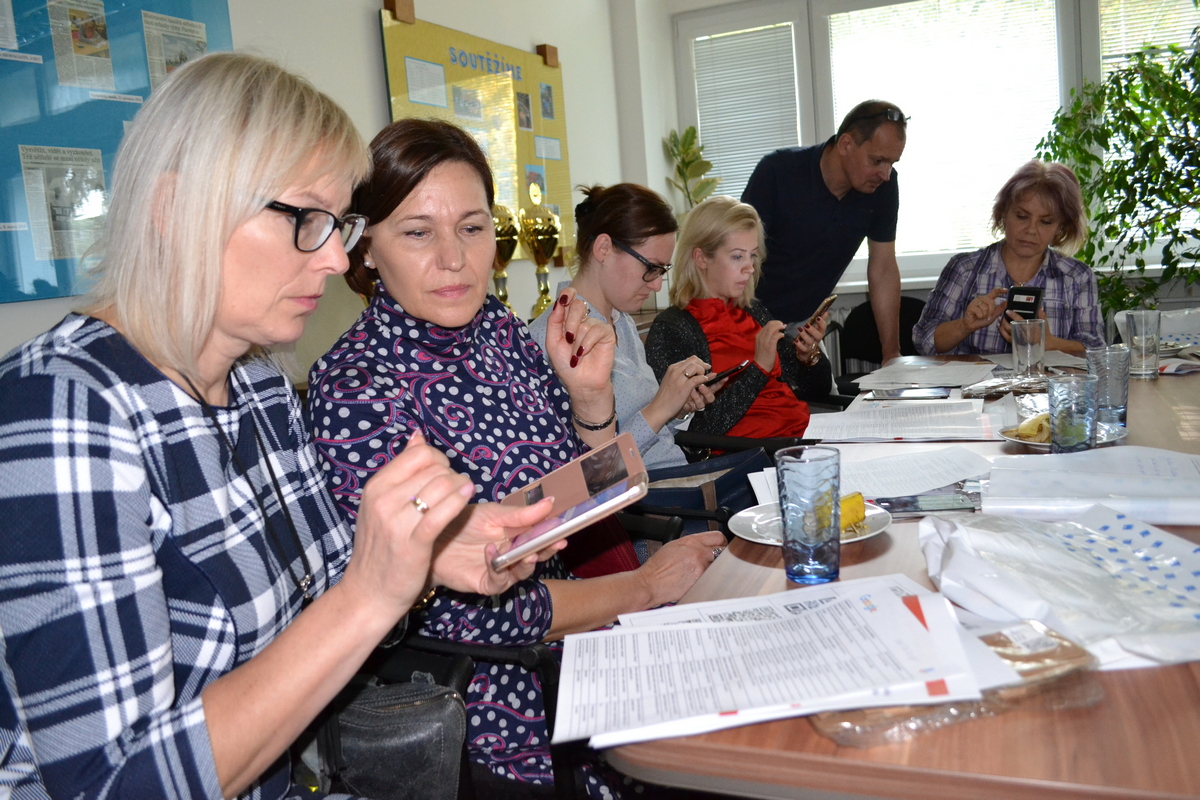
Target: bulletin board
510, 100
73, 73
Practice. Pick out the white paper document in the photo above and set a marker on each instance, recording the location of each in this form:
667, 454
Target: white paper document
892, 476
1157, 486
916, 423
1052, 358
771, 606
906, 376
873, 649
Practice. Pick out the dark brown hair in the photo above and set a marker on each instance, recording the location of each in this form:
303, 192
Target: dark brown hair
402, 155
626, 212
866, 117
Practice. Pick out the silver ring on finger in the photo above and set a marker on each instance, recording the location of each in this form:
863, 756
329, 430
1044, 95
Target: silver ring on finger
717, 552
421, 505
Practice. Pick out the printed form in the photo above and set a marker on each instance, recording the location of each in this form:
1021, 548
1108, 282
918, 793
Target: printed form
914, 423
870, 649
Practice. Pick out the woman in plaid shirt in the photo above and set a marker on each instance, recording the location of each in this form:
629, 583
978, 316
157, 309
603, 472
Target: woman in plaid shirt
178, 598
1039, 209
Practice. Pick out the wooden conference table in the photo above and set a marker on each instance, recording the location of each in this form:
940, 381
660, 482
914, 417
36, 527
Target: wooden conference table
1142, 740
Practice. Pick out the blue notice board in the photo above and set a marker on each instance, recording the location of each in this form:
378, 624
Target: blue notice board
73, 73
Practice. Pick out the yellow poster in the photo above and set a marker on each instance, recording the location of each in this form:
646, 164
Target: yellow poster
509, 100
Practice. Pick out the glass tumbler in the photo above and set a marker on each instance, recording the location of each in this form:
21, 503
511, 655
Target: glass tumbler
1029, 347
809, 484
1143, 343
1111, 366
1072, 412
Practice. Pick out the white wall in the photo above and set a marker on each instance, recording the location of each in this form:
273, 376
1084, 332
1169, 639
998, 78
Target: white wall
337, 46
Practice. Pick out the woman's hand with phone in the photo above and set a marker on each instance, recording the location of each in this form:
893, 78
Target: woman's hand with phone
808, 339
676, 391
766, 345
463, 553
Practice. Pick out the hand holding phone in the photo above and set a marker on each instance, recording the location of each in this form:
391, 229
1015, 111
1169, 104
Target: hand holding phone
1025, 300
720, 376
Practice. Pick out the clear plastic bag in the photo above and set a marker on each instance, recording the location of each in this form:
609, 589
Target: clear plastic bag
1055, 675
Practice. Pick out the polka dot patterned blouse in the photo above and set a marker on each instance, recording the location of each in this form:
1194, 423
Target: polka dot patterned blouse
486, 396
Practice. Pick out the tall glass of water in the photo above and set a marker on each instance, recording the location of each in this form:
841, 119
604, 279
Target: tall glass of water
809, 486
1143, 343
1111, 366
1072, 412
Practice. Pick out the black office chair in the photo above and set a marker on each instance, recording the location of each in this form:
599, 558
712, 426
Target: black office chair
858, 340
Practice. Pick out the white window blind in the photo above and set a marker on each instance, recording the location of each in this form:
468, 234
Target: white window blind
980, 82
746, 99
1127, 25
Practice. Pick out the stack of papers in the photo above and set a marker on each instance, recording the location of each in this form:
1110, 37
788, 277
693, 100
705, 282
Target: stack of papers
918, 422
1153, 485
856, 644
893, 476
905, 376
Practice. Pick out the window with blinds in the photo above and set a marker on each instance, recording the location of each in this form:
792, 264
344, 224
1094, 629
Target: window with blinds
746, 99
1128, 25
980, 82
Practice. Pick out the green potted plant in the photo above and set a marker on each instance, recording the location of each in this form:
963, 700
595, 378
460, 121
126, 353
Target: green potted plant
686, 152
1133, 142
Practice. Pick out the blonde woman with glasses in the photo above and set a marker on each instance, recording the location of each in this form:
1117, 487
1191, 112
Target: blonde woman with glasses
714, 317
179, 597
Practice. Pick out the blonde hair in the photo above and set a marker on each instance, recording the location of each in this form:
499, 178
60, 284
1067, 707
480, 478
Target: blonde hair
1057, 185
216, 142
706, 227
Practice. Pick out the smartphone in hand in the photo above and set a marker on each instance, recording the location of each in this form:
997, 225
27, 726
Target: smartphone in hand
1025, 300
793, 329
734, 370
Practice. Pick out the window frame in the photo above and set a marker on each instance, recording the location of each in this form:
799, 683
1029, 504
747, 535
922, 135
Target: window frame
1079, 50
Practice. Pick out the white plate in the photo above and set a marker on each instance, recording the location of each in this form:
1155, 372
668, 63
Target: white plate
1106, 434
761, 524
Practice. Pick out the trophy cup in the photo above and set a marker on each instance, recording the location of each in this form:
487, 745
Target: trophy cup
540, 228
508, 233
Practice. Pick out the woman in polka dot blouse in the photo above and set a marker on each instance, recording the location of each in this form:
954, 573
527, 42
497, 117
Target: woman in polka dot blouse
434, 353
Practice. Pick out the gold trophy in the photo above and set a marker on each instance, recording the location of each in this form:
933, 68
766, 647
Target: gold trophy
540, 228
508, 233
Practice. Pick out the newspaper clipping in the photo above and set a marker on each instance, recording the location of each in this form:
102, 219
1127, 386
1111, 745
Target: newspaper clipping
80, 35
64, 188
171, 42
8, 26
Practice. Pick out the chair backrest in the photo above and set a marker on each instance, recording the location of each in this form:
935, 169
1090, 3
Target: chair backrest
859, 338
1177, 320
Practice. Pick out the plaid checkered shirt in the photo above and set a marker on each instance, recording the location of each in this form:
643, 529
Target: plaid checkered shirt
134, 569
1070, 300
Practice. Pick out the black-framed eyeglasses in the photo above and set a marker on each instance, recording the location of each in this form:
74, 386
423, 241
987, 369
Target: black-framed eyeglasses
314, 226
653, 271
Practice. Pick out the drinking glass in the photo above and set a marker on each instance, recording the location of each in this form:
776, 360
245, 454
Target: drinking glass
1111, 366
809, 483
1143, 343
1072, 412
1029, 347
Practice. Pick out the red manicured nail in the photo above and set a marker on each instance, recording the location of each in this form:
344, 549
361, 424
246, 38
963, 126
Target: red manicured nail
570, 337
574, 361
562, 300
579, 352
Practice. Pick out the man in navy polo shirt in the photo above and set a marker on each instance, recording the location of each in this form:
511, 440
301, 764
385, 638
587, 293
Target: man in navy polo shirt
818, 203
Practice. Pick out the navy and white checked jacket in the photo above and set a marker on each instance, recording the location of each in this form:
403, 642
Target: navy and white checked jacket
134, 569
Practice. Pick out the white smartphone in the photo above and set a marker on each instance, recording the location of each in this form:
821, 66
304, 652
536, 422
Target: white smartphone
550, 530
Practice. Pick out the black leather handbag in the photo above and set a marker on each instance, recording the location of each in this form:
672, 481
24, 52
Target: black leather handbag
397, 741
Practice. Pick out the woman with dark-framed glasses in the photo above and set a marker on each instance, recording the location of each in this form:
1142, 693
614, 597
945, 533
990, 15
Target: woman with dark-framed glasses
625, 236
178, 593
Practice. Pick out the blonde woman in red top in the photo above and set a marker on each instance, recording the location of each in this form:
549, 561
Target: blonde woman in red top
714, 316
